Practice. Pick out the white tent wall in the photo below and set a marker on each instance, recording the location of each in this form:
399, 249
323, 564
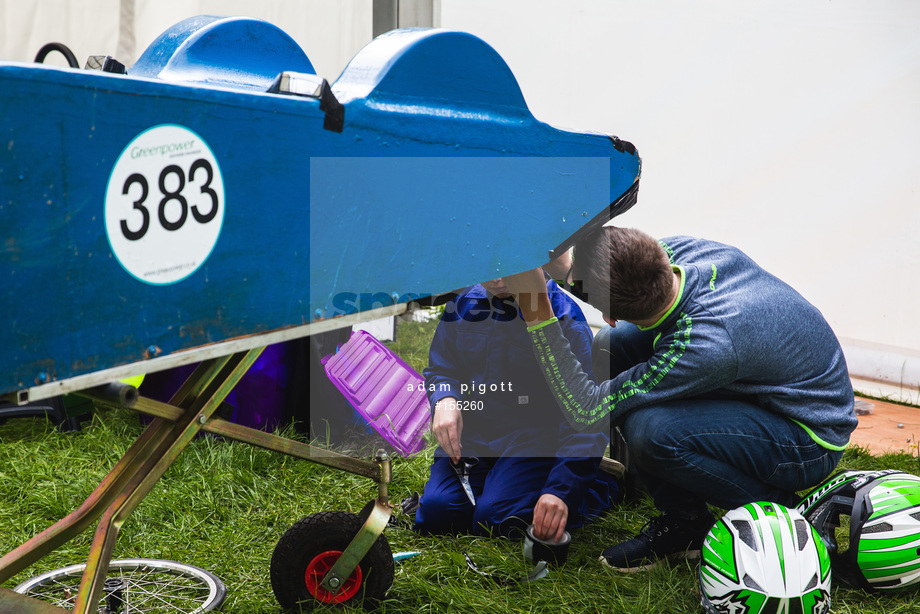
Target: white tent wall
786, 127
87, 28
789, 128
330, 33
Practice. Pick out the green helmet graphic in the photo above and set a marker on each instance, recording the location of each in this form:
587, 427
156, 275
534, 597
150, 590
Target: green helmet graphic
764, 558
883, 553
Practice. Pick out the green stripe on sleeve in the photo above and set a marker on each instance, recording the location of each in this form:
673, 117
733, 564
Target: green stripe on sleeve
540, 325
576, 409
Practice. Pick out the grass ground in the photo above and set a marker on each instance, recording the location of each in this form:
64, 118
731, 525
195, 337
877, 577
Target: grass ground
223, 506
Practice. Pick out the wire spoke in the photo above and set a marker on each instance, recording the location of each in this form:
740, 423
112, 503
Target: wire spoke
148, 587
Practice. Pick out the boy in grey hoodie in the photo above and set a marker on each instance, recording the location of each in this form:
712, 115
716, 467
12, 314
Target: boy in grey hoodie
728, 385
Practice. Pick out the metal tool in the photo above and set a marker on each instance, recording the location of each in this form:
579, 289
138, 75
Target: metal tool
539, 571
462, 469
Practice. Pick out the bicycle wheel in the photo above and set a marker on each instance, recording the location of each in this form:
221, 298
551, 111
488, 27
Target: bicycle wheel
138, 586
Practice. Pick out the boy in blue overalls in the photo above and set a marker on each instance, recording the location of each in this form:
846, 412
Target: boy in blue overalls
507, 457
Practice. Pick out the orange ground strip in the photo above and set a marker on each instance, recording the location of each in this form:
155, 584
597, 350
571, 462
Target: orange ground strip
888, 427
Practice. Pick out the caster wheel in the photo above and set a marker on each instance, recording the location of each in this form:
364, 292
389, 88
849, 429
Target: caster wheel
309, 549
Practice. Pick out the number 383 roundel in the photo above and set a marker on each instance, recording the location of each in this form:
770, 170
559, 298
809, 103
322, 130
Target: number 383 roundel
164, 205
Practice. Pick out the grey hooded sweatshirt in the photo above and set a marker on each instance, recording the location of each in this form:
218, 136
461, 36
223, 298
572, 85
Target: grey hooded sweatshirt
734, 331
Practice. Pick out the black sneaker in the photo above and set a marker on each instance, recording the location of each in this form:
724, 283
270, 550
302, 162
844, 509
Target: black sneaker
665, 537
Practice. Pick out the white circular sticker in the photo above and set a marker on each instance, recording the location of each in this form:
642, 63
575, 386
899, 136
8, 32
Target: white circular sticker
164, 205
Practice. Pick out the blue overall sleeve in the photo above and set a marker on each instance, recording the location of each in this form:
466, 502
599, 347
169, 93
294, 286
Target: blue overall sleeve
445, 372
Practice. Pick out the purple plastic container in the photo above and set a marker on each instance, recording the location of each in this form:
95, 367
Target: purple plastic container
386, 391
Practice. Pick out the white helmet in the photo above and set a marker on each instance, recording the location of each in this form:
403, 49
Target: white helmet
764, 558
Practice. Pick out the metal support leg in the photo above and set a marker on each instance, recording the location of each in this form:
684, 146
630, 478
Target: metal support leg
77, 521
173, 427
386, 474
134, 476
200, 397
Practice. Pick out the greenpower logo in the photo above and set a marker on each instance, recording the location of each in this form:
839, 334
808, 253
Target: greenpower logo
712, 280
170, 149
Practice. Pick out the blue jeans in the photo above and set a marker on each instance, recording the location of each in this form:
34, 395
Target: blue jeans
724, 452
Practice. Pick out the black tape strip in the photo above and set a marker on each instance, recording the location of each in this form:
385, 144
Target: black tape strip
334, 110
623, 146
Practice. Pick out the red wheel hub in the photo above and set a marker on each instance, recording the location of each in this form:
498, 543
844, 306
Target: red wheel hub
317, 570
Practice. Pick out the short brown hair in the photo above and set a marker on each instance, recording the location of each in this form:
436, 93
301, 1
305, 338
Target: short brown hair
623, 272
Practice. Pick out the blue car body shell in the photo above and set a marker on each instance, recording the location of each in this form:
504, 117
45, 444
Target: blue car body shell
191, 201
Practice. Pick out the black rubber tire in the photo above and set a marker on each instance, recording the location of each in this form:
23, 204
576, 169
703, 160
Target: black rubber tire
314, 535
